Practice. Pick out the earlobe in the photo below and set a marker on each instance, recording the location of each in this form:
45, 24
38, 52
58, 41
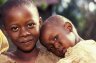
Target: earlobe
40, 21
68, 26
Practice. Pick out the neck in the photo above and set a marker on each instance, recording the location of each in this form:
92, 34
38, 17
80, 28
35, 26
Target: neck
27, 56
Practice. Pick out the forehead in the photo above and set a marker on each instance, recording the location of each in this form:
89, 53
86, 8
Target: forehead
20, 9
21, 12
52, 25
49, 31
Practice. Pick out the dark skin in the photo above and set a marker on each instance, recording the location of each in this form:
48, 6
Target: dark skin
57, 36
22, 26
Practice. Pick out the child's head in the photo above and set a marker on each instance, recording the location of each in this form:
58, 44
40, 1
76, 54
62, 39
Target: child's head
20, 20
57, 34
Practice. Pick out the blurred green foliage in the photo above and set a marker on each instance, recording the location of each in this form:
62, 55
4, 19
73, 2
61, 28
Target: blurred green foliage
43, 4
2, 1
73, 13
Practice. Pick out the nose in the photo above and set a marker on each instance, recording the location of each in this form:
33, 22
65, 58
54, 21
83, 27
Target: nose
57, 45
24, 32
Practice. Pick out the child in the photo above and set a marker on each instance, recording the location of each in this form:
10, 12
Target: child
59, 36
21, 23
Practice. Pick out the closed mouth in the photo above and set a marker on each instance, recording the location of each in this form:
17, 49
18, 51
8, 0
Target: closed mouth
27, 41
63, 50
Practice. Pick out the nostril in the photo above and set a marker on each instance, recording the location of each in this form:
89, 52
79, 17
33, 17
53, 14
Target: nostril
57, 45
24, 32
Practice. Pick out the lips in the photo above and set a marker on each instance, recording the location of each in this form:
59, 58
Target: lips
27, 41
62, 50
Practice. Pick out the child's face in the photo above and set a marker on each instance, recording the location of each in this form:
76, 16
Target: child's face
57, 40
22, 26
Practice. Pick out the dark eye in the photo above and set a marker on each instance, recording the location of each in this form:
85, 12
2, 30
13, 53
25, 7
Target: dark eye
31, 25
14, 29
55, 38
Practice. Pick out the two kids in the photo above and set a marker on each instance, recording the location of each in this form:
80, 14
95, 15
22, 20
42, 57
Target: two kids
21, 23
59, 36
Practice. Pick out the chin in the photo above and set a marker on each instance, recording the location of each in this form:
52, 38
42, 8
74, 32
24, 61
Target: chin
27, 50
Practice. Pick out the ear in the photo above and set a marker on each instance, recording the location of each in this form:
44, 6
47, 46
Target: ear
40, 21
68, 26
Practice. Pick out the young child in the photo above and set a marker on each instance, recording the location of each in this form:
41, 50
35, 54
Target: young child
59, 36
21, 23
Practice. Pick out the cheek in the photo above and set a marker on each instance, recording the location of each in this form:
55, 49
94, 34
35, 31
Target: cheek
71, 38
35, 32
37, 28
13, 36
67, 40
64, 41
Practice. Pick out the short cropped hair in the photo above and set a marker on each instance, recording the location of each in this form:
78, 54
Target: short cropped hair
13, 4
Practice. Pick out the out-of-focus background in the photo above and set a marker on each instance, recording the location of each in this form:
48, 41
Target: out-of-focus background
81, 12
